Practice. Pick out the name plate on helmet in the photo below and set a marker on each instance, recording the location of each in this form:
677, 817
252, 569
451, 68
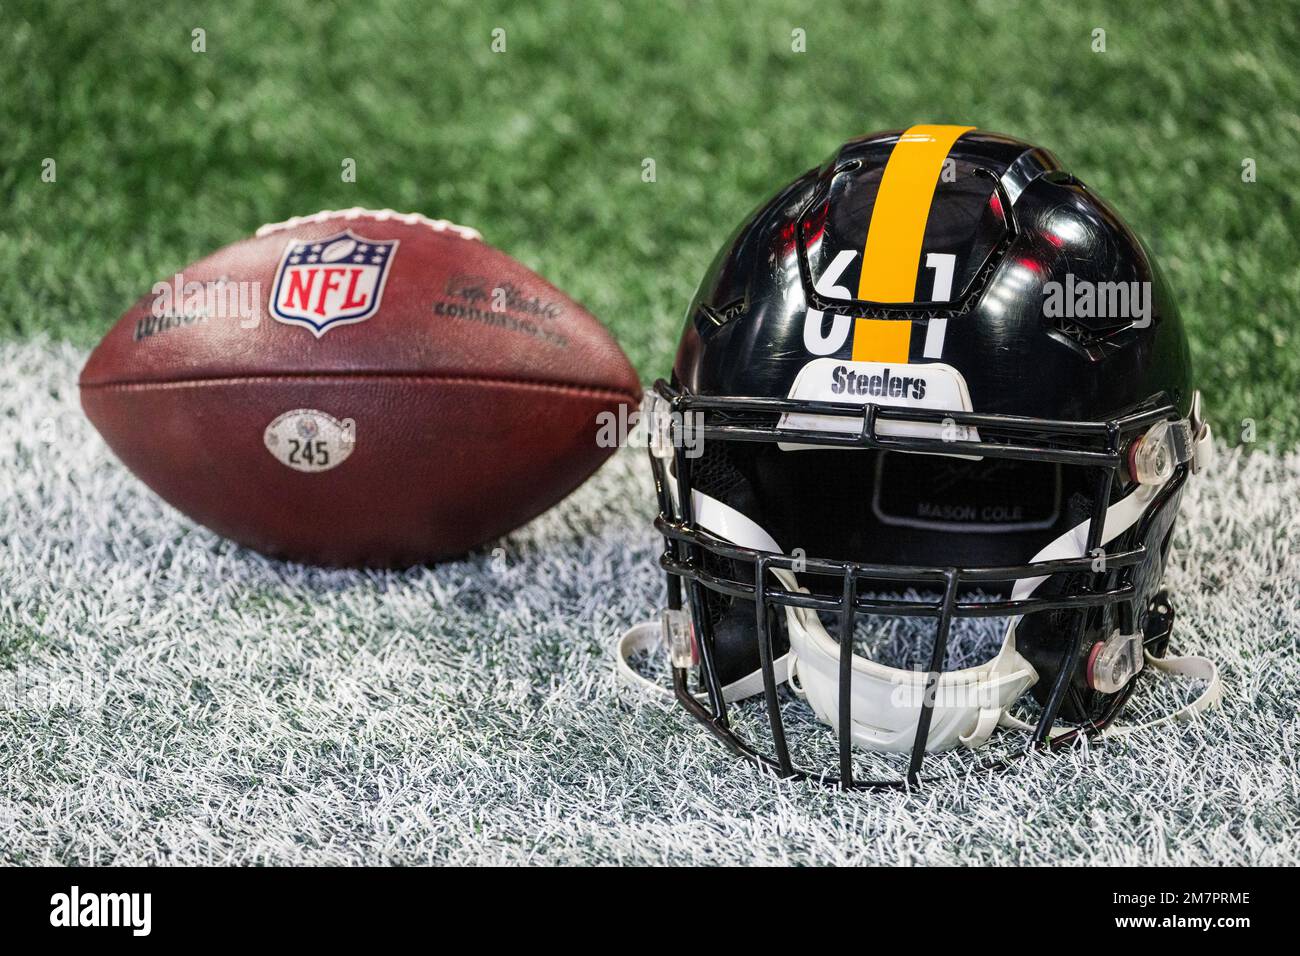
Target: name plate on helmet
933, 385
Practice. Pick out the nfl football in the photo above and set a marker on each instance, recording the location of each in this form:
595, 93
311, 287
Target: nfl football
358, 388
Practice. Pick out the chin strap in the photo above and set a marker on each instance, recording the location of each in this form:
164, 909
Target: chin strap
648, 638
643, 638
1192, 666
989, 719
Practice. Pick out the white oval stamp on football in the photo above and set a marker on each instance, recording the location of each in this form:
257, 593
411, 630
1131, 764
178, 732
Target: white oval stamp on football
309, 440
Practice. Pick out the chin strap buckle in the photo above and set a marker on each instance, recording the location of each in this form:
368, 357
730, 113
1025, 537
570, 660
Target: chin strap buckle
1115, 661
1159, 624
1202, 439
679, 638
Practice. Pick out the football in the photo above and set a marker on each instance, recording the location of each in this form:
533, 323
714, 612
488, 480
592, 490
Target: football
358, 388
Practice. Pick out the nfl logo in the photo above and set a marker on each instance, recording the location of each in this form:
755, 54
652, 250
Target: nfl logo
333, 281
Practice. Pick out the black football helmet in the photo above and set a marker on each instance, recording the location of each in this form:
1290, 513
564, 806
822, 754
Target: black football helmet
939, 378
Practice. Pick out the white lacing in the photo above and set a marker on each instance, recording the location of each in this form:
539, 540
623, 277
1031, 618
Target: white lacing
381, 215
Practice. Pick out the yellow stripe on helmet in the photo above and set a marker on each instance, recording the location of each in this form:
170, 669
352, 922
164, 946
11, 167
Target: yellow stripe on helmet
893, 250
894, 235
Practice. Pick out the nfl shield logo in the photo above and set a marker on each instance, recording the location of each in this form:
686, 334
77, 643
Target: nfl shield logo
333, 281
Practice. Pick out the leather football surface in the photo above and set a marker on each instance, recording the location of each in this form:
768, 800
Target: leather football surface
358, 388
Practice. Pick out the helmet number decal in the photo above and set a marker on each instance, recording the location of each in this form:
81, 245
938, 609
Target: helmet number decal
819, 340
814, 339
943, 264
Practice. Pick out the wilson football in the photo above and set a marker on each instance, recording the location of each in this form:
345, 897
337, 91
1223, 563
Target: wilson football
358, 388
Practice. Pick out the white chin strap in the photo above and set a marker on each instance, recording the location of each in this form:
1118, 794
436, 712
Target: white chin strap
647, 638
1191, 666
969, 704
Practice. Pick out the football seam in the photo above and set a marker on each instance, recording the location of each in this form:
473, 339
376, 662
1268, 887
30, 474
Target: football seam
379, 215
569, 388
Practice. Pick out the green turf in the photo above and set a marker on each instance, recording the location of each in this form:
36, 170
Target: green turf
164, 154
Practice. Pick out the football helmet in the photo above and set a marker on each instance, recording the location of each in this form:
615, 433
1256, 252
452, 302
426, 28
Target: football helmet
936, 378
